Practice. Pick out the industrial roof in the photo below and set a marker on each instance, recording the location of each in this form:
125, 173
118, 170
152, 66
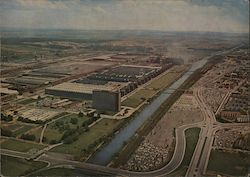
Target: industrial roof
8, 91
83, 88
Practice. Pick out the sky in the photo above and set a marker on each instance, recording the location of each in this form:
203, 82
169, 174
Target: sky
163, 15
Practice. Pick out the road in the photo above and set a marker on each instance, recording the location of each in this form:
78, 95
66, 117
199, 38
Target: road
199, 162
41, 136
202, 150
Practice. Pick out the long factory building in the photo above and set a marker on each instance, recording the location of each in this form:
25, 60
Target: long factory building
104, 97
131, 75
106, 88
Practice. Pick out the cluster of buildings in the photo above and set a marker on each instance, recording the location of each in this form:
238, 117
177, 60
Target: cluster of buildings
237, 108
105, 88
35, 78
7, 95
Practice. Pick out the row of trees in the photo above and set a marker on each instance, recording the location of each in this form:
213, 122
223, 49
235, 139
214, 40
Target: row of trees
28, 137
89, 121
7, 118
72, 135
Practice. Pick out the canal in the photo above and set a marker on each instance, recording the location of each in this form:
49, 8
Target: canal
104, 156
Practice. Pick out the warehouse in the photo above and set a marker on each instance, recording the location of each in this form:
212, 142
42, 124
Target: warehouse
125, 73
78, 91
130, 75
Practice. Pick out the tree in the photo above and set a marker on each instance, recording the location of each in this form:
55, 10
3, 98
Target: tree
6, 118
29, 137
80, 114
53, 142
5, 132
44, 139
74, 121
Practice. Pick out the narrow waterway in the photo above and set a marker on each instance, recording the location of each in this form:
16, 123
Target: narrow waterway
104, 156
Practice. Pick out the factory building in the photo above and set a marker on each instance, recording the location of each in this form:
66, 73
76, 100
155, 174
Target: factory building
105, 97
105, 100
129, 76
76, 91
71, 91
8, 94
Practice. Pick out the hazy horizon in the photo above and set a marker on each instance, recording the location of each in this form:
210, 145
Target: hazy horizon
225, 16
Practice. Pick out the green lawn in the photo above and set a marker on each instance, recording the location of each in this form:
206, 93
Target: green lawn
52, 132
192, 137
167, 79
102, 128
137, 98
234, 164
21, 146
12, 166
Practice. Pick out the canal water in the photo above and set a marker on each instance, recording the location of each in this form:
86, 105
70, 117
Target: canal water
104, 156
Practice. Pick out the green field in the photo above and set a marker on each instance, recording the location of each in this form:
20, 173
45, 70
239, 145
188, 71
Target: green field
137, 98
167, 79
192, 137
235, 164
12, 166
21, 146
52, 132
17, 128
155, 86
99, 130
23, 129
